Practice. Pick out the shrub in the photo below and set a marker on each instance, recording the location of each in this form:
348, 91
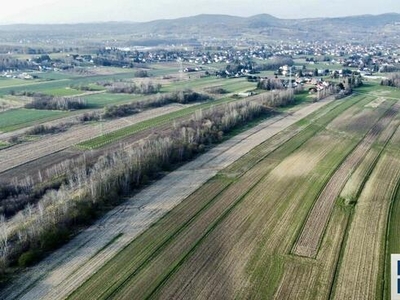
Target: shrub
141, 73
29, 258
53, 238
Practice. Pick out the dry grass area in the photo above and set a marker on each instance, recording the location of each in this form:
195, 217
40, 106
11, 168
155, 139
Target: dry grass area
356, 119
355, 183
12, 102
376, 103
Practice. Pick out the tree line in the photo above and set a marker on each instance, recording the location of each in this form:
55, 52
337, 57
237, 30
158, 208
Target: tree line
182, 97
49, 102
393, 80
86, 189
144, 88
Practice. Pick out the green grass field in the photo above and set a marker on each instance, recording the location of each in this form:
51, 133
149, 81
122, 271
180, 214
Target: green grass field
13, 82
39, 86
61, 92
19, 118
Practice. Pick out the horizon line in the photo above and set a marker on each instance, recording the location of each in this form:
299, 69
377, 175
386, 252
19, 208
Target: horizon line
193, 16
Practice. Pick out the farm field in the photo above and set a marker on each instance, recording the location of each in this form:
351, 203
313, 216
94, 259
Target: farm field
216, 156
154, 202
5, 82
97, 135
28, 151
308, 242
240, 234
108, 138
303, 205
17, 118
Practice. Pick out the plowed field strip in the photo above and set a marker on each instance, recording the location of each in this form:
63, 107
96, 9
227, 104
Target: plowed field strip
361, 269
311, 235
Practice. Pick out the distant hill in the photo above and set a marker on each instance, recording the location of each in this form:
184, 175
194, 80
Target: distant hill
377, 27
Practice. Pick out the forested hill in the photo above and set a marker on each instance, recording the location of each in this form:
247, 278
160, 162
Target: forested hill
366, 27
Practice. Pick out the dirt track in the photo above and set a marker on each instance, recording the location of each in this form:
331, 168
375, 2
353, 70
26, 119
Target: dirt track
66, 269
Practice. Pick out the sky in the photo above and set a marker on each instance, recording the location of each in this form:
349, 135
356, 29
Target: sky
83, 11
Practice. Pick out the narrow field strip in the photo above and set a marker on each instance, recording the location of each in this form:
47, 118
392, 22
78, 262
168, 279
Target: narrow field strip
58, 273
393, 229
361, 270
311, 235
